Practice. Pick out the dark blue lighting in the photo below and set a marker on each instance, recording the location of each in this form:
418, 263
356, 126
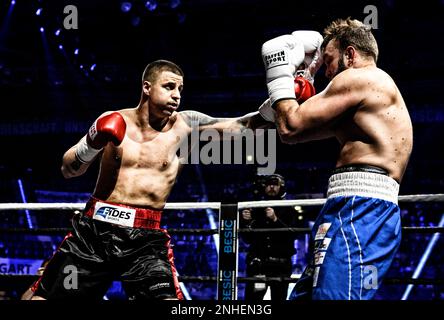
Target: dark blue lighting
174, 4
181, 17
151, 5
125, 6
23, 196
135, 21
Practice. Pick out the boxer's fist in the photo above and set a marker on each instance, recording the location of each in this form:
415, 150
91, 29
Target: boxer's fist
109, 128
303, 89
312, 41
282, 56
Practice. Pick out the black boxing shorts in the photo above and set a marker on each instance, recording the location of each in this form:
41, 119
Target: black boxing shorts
112, 242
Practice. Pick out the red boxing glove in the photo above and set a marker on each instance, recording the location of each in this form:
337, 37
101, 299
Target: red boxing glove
303, 89
108, 128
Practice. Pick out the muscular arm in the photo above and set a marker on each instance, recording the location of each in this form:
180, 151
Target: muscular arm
235, 126
315, 119
110, 127
71, 166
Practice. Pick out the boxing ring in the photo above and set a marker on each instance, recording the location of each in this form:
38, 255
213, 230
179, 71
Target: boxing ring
227, 235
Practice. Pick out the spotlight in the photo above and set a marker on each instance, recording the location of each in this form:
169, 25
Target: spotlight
38, 12
126, 6
42, 29
12, 2
151, 5
60, 47
76, 51
57, 33
92, 67
174, 4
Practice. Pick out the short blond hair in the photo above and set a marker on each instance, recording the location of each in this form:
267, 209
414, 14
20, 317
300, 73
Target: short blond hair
351, 32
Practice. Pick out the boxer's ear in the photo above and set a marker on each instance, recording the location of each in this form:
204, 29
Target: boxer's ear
146, 86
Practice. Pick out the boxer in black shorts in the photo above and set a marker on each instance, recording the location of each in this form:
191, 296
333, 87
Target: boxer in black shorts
100, 251
118, 235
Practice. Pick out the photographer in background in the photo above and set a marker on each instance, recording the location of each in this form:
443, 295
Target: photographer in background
269, 253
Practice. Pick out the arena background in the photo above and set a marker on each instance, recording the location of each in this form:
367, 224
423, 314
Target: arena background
55, 82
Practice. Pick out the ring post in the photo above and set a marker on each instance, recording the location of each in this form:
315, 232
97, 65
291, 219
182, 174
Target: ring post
228, 253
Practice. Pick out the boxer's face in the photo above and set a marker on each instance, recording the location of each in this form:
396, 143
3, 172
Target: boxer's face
333, 59
164, 93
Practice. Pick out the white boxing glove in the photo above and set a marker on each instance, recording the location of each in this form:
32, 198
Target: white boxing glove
282, 56
312, 41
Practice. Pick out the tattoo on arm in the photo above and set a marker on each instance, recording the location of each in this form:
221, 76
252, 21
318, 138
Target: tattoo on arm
246, 122
251, 120
195, 118
75, 165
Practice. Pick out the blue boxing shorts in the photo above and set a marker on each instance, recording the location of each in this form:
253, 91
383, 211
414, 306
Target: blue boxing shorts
355, 237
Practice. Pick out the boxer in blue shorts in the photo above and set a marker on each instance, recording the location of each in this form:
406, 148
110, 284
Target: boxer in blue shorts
357, 233
355, 237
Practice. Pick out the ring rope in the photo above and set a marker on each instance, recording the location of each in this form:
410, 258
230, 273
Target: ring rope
13, 279
217, 206
81, 206
213, 205
173, 231
65, 230
318, 202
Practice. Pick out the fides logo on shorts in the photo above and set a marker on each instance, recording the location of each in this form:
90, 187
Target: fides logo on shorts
114, 214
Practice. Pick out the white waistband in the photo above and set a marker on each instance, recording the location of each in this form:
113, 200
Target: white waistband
364, 184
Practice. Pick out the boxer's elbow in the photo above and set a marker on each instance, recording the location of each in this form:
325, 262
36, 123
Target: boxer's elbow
67, 172
73, 169
288, 137
289, 133
71, 166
